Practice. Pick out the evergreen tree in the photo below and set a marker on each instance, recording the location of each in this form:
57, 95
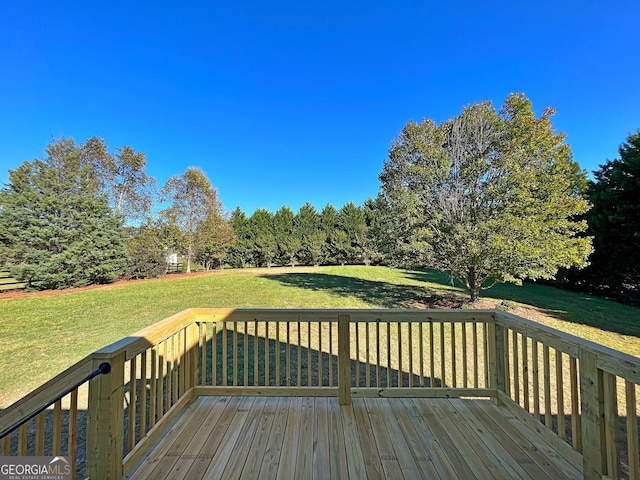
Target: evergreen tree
241, 251
287, 236
351, 220
147, 252
56, 227
329, 226
265, 247
313, 237
614, 222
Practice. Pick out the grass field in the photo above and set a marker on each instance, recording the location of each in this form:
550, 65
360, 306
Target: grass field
42, 335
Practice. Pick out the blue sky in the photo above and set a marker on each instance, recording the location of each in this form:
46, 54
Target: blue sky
283, 102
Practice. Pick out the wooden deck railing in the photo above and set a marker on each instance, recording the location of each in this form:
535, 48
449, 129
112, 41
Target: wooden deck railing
584, 393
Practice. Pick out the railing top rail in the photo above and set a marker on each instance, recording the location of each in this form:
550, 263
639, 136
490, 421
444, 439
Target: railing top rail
610, 360
327, 315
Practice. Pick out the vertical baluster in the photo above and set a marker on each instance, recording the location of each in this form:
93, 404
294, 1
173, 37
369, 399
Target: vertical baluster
368, 363
536, 378
72, 438
299, 358
331, 354
224, 354
378, 360
176, 366
278, 381
6, 446
356, 326
465, 377
235, 354
143, 395
410, 325
548, 421
389, 380
153, 386
432, 357
400, 379
454, 372
161, 363
203, 355
610, 397
266, 354
525, 373
516, 366
40, 426
23, 439
256, 363
288, 356
474, 336
443, 380
245, 354
214, 355
309, 382
632, 430
562, 429
132, 403
421, 348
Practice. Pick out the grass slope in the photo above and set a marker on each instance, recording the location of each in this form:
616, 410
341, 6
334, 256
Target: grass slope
42, 335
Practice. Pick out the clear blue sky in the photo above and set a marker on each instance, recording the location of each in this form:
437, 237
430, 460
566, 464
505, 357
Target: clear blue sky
282, 102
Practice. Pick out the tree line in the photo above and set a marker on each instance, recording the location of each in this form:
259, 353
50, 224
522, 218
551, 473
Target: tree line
491, 195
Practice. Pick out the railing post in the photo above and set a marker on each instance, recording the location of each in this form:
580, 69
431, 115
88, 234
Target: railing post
344, 360
496, 356
592, 406
105, 420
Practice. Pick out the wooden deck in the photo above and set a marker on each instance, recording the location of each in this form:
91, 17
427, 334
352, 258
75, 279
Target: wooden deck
395, 438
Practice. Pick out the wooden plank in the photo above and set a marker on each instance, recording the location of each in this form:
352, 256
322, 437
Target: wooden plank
239, 454
304, 455
167, 460
273, 444
338, 468
384, 443
360, 442
40, 434
556, 450
320, 443
229, 441
470, 446
524, 443
402, 448
287, 465
402, 410
219, 435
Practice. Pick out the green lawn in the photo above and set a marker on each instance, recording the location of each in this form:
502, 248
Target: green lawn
42, 335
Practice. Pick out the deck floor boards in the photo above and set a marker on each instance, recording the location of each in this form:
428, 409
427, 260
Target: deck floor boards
232, 437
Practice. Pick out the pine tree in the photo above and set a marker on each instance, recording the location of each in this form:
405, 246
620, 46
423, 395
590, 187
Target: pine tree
56, 227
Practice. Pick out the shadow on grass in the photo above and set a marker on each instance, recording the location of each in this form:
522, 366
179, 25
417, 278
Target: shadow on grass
555, 302
382, 294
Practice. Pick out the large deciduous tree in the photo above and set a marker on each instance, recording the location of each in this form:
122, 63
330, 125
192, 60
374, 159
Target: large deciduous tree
122, 176
488, 196
56, 227
192, 200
